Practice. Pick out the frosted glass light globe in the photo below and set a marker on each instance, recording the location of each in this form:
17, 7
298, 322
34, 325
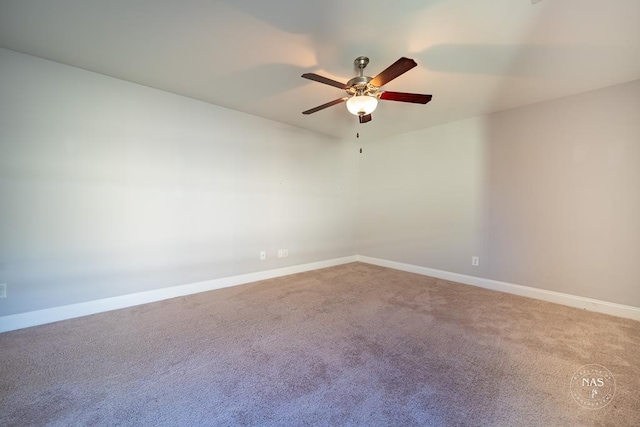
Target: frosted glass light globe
362, 104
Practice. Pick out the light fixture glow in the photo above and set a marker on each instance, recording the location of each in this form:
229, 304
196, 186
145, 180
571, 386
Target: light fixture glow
361, 105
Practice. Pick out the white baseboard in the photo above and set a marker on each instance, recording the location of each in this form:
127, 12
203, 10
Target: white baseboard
590, 304
55, 314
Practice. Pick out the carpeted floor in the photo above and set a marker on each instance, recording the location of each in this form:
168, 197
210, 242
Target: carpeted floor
349, 345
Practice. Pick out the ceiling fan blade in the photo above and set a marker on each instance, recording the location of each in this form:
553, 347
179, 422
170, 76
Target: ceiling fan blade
364, 118
323, 106
416, 98
325, 80
396, 69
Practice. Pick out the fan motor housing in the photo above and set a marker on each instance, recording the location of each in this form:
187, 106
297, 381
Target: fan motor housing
359, 84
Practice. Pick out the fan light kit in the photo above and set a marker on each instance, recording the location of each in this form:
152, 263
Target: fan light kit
364, 91
362, 104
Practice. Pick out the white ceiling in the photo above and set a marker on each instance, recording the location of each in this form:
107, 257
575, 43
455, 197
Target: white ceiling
474, 57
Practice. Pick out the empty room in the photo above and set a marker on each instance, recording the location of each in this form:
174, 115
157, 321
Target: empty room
288, 213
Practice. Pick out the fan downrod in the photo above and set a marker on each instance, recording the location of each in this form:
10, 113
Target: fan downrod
359, 84
361, 63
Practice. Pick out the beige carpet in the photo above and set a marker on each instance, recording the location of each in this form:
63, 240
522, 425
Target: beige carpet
349, 345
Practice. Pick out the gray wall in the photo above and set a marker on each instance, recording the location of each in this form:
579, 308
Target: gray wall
547, 195
109, 188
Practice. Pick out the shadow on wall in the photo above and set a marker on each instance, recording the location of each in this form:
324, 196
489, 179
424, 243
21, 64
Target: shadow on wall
546, 195
563, 199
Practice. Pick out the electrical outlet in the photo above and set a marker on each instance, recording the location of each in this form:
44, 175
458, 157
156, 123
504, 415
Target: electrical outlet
3, 290
263, 255
475, 261
283, 253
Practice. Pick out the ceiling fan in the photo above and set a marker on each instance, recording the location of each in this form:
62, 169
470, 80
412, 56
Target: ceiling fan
364, 91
